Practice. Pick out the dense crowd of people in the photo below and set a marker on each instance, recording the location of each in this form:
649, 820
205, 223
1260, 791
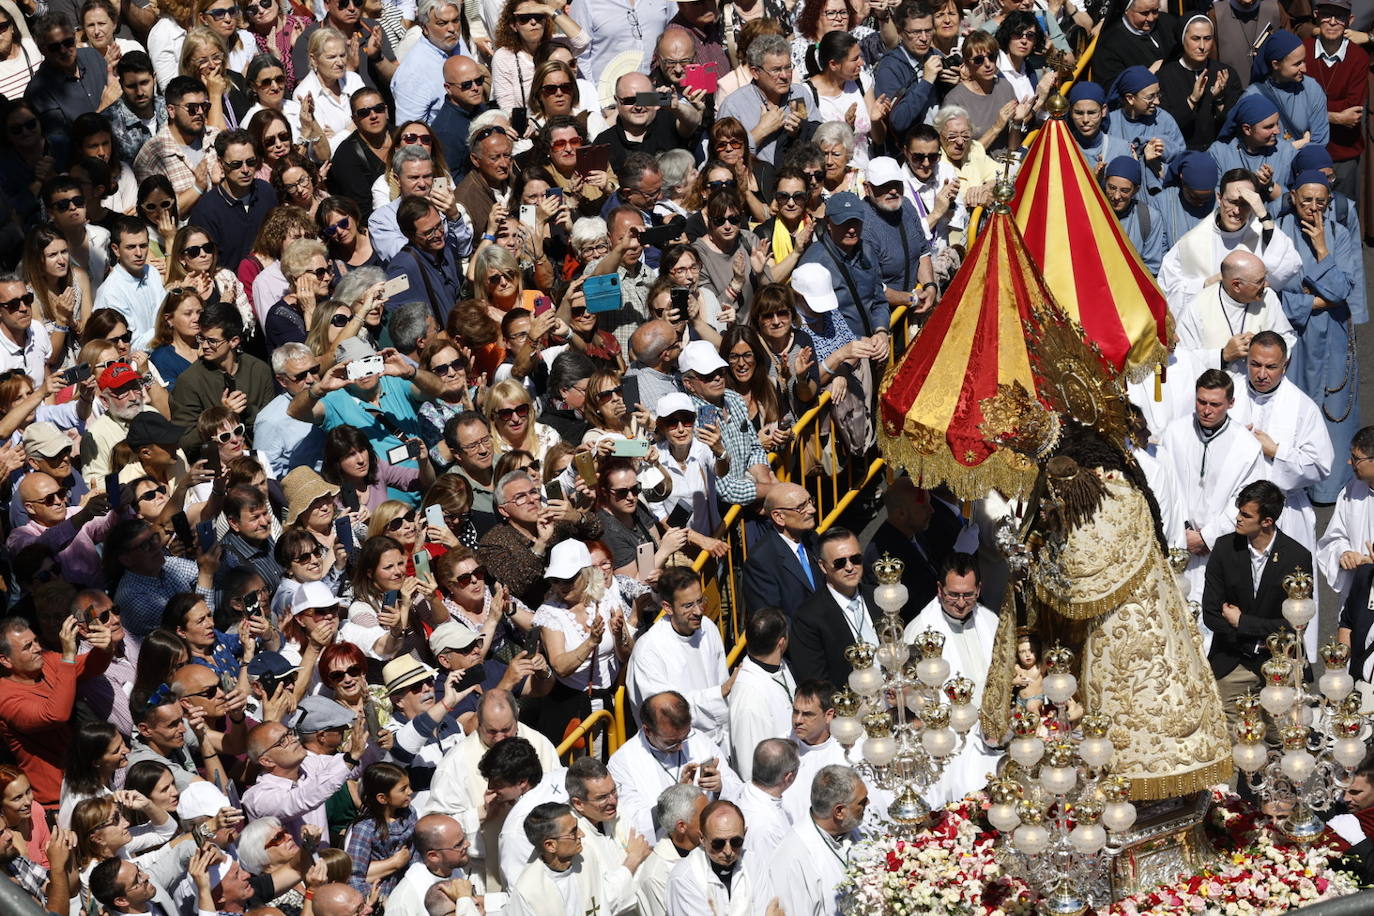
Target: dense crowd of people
374, 374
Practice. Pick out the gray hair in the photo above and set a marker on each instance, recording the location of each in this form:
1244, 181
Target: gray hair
582, 771
427, 8
356, 283
589, 229
287, 352
767, 46
488, 118
252, 847
774, 760
507, 480
673, 165
542, 822
676, 803
834, 785
834, 132
950, 113
408, 324
10, 276
14, 623
411, 153
437, 900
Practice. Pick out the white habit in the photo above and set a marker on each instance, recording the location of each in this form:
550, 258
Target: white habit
693, 665
760, 707
796, 801
1199, 253
1351, 528
968, 649
651, 878
1178, 389
1164, 484
541, 891
807, 867
1212, 318
516, 849
605, 852
642, 772
695, 890
767, 821
407, 898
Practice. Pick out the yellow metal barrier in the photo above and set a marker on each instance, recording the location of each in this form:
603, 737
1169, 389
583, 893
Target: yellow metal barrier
585, 729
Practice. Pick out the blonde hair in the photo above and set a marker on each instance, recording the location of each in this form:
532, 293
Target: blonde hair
509, 393
196, 39
300, 253
383, 516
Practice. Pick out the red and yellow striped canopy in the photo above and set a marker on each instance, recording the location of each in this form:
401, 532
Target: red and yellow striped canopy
996, 330
1088, 263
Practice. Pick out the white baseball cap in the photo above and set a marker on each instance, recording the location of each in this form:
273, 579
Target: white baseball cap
676, 402
816, 289
567, 559
701, 357
883, 170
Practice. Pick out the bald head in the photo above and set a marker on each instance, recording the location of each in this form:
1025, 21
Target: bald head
433, 831
498, 717
459, 70
194, 678
1243, 276
1238, 262
791, 509
337, 900
668, 708
651, 341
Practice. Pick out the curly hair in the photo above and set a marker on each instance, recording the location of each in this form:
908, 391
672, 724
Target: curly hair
285, 164
280, 220
808, 20
1090, 450
506, 35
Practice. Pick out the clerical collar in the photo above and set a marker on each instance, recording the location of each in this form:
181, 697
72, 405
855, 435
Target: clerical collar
1209, 434
726, 875
1261, 396
955, 624
681, 853
771, 669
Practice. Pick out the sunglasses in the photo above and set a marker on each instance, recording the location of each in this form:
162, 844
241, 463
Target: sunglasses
164, 205
923, 157
223, 13
345, 4
321, 273
622, 492
712, 377
235, 433
195, 251
46, 575
486, 132
334, 229
125, 338
1029, 34
206, 694
814, 177
267, 82
476, 574
722, 184
103, 617
570, 143
684, 418
476, 81
734, 842
368, 111
233, 165
196, 107
519, 410
339, 674
978, 60
528, 18
22, 126
729, 144
5, 26
733, 219
604, 397
577, 311
556, 89
796, 197
308, 555
61, 457
396, 523
501, 275
154, 493
69, 203
844, 562
260, 5
65, 44
281, 836
14, 305
413, 139
446, 368
339, 320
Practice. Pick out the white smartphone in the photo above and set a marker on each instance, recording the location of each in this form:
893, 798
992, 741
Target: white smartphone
644, 560
443, 183
368, 365
395, 286
434, 515
528, 214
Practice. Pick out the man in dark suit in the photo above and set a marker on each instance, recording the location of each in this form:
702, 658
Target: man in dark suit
840, 613
781, 570
1242, 599
1357, 618
920, 531
1356, 825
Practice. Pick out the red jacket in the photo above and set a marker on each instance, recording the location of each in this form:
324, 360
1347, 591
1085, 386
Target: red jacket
36, 719
1346, 85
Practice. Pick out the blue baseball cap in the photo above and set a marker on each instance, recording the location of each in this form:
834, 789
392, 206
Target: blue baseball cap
843, 208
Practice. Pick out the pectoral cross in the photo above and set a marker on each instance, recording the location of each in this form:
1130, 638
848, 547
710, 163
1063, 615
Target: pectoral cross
594, 909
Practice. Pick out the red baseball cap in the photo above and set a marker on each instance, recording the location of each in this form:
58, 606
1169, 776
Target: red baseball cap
117, 375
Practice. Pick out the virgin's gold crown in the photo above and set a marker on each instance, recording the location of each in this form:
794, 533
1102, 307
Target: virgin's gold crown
1298, 584
888, 570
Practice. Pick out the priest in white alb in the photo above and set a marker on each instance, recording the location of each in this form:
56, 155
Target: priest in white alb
678, 653
968, 629
761, 699
775, 769
811, 860
1174, 389
1213, 457
677, 815
559, 881
667, 750
1348, 542
1224, 317
606, 840
1241, 223
719, 878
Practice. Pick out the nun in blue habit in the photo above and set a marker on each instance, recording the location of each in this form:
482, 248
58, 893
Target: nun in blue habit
1276, 74
1250, 139
1137, 119
1343, 210
1087, 120
1142, 225
1324, 303
1189, 195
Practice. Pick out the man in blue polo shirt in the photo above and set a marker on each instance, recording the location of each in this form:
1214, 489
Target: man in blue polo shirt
233, 210
895, 237
841, 251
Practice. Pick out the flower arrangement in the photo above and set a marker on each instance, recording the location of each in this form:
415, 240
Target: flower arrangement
951, 869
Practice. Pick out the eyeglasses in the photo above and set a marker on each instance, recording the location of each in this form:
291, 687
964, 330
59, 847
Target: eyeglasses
260, 5
647, 195
912, 33
22, 126
61, 457
476, 574
629, 102
576, 832
733, 219
5, 26
195, 251
267, 82
729, 143
339, 674
309, 555
110, 823
208, 693
65, 44
844, 562
14, 305
484, 133
368, 111
195, 107
321, 273
528, 18
556, 89
400, 521
710, 377
622, 492
476, 446
222, 13
684, 418
493, 279
799, 507
103, 616
722, 184
161, 205
334, 229
577, 311
523, 497
69, 203
235, 433
345, 4
506, 413
233, 165
154, 493
923, 157
604, 397
54, 498
1029, 34
814, 177
281, 836
448, 368
414, 139
746, 357
338, 320
202, 341
795, 197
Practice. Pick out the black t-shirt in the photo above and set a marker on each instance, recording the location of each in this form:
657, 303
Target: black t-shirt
662, 135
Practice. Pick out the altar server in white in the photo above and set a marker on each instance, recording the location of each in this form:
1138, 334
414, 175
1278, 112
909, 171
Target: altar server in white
813, 708
811, 860
1175, 389
775, 767
1213, 457
678, 653
677, 815
696, 886
559, 881
517, 781
616, 849
441, 849
968, 629
1241, 223
1348, 542
668, 750
761, 700
1224, 317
